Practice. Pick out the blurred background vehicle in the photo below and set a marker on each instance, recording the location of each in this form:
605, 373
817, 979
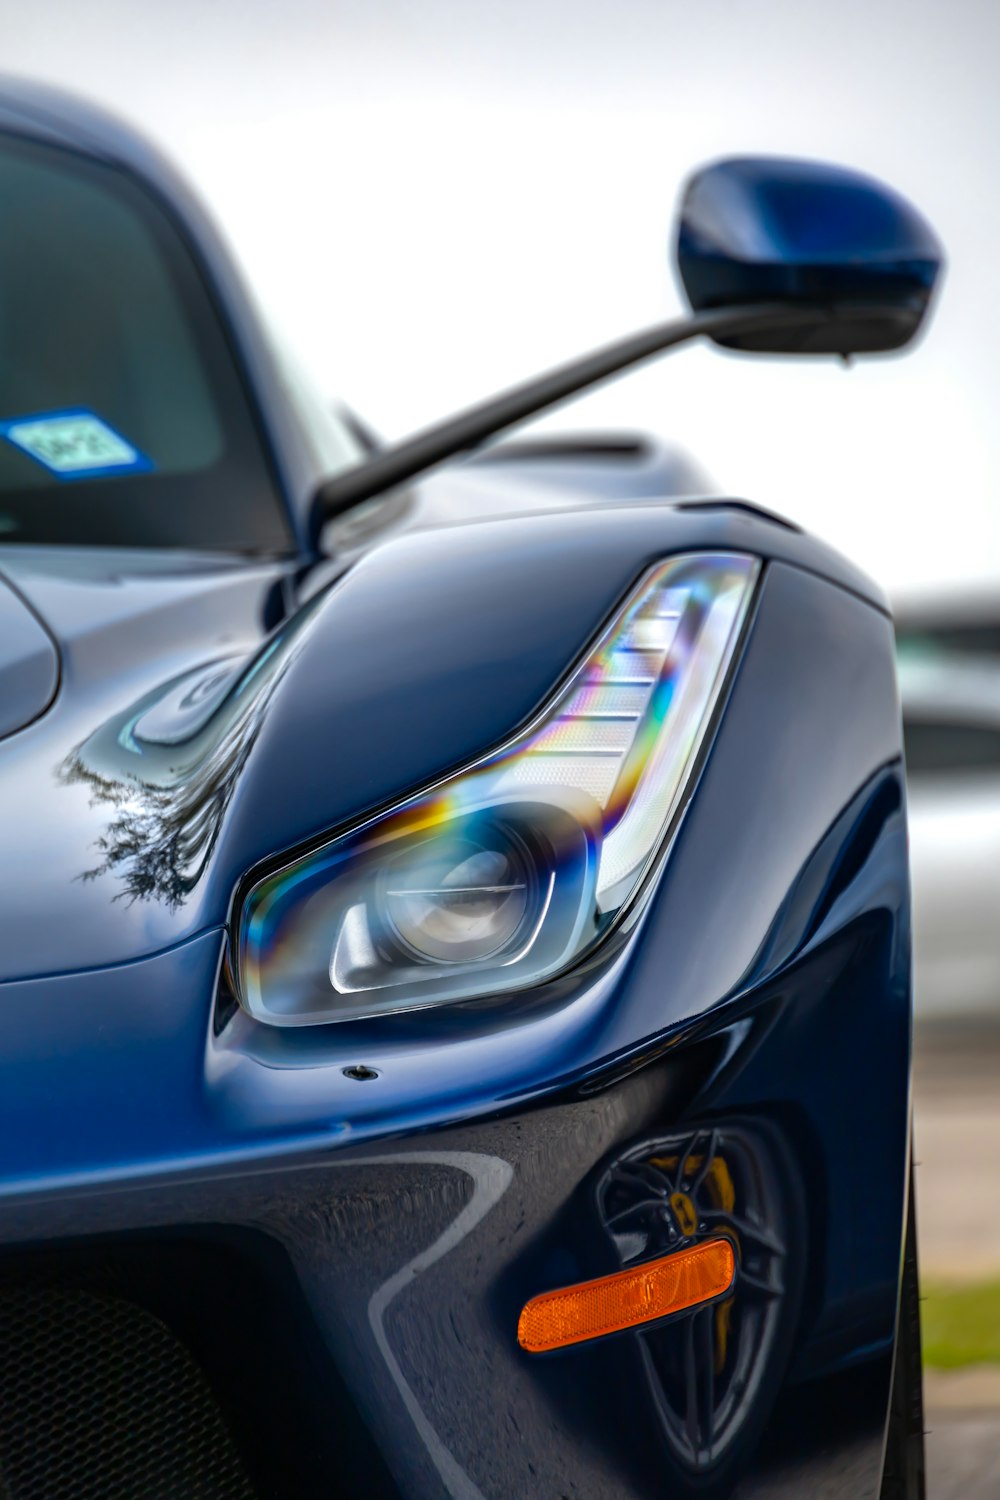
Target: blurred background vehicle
949, 665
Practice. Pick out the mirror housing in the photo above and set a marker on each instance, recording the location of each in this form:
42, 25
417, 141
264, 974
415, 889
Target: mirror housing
766, 230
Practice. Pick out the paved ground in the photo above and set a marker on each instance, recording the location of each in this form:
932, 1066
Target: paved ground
956, 1097
957, 1136
963, 1460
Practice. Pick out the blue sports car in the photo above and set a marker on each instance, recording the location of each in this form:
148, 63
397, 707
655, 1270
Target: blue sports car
455, 988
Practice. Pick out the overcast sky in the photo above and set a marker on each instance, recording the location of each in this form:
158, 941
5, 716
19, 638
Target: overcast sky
436, 198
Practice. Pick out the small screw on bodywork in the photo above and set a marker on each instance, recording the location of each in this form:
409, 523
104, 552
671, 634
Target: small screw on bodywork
360, 1073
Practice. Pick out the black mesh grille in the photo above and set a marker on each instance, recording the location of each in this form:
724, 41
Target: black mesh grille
100, 1401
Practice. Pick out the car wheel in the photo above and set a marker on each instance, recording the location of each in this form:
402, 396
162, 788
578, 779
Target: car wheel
712, 1374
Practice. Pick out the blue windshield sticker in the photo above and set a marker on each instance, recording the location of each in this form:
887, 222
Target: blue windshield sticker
75, 444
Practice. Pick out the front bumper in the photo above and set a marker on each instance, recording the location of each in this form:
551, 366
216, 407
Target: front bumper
381, 1279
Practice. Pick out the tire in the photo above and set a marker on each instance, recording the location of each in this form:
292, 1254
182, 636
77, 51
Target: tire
903, 1470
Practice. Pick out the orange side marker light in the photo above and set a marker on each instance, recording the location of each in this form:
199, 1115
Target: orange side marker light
627, 1299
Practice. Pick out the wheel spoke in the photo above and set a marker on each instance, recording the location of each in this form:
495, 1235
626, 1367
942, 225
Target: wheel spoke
747, 1282
744, 1229
713, 1146
685, 1158
644, 1205
640, 1171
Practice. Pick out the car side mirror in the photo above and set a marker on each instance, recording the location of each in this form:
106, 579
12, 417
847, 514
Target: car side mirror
777, 256
766, 230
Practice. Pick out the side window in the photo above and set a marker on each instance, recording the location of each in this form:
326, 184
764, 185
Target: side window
89, 319
124, 417
333, 444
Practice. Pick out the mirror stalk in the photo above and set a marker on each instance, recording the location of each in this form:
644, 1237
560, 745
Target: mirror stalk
426, 450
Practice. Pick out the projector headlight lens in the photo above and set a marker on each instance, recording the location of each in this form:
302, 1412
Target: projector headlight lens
457, 900
510, 871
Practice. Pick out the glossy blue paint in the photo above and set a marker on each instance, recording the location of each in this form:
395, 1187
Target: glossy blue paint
353, 1251
768, 229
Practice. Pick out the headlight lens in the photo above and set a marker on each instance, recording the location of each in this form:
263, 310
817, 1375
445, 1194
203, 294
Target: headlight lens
510, 871
456, 900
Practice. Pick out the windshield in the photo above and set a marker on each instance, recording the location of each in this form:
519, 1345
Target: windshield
123, 417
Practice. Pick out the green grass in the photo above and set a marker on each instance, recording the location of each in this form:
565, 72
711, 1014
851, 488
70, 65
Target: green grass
961, 1325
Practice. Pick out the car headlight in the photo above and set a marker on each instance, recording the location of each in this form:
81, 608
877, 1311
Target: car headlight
510, 871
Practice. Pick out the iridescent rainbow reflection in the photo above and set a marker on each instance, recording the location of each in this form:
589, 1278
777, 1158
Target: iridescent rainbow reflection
510, 871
